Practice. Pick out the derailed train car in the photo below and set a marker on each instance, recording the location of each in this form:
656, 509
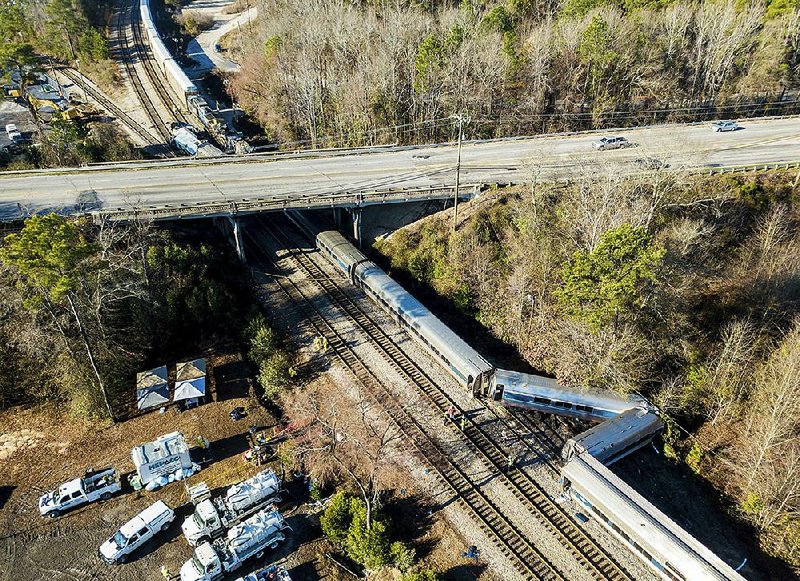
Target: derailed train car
627, 423
548, 396
669, 550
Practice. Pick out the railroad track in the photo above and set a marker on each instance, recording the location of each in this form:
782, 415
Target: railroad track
109, 106
528, 491
530, 562
126, 54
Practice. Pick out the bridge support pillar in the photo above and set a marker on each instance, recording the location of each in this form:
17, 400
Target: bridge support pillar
238, 243
356, 214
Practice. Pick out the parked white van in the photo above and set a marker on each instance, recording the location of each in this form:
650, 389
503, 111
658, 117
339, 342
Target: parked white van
136, 532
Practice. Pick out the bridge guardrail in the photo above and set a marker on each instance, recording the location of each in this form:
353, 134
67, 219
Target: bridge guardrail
282, 202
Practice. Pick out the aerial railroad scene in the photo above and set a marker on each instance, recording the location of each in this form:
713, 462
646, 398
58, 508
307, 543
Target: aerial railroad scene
399, 290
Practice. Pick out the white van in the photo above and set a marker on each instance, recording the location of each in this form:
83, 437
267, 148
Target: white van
136, 532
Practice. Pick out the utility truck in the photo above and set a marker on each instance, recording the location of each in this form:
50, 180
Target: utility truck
94, 485
212, 517
212, 561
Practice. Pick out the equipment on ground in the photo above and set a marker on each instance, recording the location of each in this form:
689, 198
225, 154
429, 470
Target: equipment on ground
271, 573
212, 561
136, 532
212, 517
94, 485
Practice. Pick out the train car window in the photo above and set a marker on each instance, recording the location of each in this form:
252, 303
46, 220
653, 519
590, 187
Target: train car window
670, 570
541, 400
584, 408
498, 392
562, 404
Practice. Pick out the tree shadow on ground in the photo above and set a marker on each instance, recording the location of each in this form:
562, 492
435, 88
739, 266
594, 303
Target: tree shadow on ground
462, 572
5, 494
232, 380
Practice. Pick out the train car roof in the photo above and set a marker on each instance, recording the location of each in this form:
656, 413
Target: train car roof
617, 429
633, 513
453, 347
514, 381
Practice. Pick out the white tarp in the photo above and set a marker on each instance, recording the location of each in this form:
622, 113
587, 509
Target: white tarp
190, 380
190, 389
152, 389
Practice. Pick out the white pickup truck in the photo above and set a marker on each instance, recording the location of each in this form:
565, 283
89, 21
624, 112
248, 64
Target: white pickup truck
94, 485
136, 532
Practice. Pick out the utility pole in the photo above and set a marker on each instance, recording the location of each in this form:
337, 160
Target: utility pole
460, 119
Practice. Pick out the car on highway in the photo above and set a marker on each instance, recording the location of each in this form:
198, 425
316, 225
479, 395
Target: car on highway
610, 143
718, 126
12, 132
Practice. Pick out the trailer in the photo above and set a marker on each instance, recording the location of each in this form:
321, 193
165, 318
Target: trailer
94, 485
212, 561
162, 461
212, 517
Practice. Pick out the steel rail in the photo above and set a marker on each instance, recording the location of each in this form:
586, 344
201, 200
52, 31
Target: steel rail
109, 106
125, 54
512, 542
527, 490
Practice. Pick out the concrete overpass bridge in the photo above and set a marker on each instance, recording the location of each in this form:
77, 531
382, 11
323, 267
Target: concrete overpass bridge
353, 179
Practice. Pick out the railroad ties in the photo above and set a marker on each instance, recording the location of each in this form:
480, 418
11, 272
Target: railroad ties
510, 540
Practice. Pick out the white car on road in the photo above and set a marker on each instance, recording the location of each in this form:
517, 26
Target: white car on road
724, 126
610, 143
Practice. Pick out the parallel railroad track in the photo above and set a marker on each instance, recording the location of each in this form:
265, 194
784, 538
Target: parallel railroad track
127, 54
109, 106
575, 540
530, 562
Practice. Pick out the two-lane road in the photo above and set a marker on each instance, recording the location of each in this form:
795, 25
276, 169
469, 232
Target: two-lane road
496, 161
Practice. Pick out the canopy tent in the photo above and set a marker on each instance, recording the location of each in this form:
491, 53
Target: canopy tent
152, 389
190, 380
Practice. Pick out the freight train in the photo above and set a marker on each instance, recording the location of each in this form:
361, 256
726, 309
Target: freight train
626, 422
186, 91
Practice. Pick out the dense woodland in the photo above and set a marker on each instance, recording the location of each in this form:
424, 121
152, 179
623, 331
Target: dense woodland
348, 69
686, 290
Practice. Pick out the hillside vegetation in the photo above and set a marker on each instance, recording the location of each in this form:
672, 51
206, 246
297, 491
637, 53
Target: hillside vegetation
685, 289
317, 68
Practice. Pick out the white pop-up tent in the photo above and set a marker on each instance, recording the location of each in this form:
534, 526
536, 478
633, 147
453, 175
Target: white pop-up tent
152, 389
190, 381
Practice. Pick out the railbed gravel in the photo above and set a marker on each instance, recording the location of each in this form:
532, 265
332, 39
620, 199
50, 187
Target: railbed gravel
459, 516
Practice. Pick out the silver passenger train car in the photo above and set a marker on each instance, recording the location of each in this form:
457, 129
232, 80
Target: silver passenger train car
616, 437
465, 364
547, 395
671, 552
179, 82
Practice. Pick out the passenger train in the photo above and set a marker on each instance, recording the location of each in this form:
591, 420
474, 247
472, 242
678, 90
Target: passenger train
627, 423
180, 83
